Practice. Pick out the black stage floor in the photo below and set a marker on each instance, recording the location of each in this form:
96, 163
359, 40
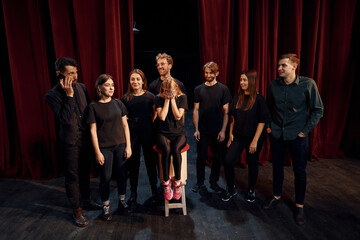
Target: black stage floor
31, 209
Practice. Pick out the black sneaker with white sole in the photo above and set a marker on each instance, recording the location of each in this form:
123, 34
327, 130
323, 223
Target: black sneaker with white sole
106, 213
250, 197
228, 195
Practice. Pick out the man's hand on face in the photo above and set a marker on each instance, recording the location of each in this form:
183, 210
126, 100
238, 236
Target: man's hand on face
66, 84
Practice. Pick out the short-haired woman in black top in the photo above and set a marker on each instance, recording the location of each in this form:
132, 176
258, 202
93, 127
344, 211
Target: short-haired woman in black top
249, 114
110, 137
170, 106
140, 105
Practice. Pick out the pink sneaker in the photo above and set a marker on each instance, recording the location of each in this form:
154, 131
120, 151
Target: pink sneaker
168, 192
177, 190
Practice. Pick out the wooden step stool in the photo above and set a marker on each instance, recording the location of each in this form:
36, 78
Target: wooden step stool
182, 204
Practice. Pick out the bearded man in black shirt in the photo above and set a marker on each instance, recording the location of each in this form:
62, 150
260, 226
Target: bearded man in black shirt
210, 118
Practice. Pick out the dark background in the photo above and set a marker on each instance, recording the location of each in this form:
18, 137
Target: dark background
170, 27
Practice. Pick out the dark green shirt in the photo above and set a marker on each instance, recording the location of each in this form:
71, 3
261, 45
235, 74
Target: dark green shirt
294, 108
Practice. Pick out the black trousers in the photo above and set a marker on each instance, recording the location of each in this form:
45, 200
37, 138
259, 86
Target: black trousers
234, 152
77, 170
114, 156
217, 149
298, 149
145, 140
171, 145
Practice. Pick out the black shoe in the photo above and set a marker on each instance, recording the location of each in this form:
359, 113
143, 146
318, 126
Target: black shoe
300, 216
132, 201
216, 188
271, 203
106, 213
197, 187
90, 204
228, 195
123, 208
250, 197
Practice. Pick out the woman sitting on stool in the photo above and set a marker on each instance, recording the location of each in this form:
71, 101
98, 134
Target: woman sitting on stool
170, 106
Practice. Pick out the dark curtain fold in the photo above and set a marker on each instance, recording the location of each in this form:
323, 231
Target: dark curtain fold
98, 34
214, 18
319, 31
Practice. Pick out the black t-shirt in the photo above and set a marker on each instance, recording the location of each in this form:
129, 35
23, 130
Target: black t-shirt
246, 121
155, 85
108, 119
211, 99
171, 126
140, 110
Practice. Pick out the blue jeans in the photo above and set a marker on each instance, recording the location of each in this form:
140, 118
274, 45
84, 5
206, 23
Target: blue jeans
298, 149
113, 155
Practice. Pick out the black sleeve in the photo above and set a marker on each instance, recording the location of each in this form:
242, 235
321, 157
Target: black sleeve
226, 96
123, 108
196, 95
63, 109
152, 87
182, 87
183, 102
158, 102
90, 116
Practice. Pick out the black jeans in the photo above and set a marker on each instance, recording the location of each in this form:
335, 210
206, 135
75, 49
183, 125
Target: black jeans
113, 156
171, 146
77, 170
234, 152
145, 140
298, 149
217, 149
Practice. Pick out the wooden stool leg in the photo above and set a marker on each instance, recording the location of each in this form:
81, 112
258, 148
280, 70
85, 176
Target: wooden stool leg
166, 208
183, 199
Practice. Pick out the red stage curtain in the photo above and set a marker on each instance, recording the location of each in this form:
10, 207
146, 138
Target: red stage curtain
319, 31
98, 34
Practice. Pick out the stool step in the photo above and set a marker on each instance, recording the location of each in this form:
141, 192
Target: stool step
182, 204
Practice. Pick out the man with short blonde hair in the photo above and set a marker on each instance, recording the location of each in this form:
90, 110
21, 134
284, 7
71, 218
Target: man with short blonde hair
164, 64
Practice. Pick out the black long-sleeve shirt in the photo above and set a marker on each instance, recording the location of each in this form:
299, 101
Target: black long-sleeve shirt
68, 111
289, 106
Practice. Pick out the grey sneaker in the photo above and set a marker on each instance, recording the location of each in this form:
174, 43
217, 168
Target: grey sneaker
106, 213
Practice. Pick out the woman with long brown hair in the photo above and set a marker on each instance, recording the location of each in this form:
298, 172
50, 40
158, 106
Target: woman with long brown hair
170, 106
140, 105
248, 115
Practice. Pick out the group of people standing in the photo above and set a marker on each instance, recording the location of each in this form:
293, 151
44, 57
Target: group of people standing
145, 116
